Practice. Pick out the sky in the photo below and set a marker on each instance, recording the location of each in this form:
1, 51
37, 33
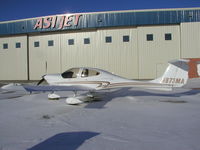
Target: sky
22, 9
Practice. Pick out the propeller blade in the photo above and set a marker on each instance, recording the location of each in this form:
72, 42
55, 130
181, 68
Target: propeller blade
42, 80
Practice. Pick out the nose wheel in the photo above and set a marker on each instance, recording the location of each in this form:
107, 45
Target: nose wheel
53, 96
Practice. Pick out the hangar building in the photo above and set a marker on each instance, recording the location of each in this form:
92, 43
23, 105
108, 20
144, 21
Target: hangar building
136, 44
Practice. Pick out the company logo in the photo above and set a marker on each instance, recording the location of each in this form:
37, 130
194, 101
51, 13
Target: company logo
173, 81
58, 22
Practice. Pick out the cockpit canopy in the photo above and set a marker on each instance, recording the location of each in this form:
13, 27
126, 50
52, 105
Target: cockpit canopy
79, 72
71, 73
89, 72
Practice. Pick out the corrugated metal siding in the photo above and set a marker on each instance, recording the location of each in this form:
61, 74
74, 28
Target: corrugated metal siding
137, 58
79, 54
118, 57
115, 19
44, 59
154, 55
190, 40
13, 61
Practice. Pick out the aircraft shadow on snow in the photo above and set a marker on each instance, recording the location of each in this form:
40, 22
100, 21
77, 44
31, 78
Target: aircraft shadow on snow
124, 92
65, 141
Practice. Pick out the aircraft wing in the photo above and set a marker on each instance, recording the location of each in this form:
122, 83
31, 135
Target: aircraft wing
52, 88
34, 88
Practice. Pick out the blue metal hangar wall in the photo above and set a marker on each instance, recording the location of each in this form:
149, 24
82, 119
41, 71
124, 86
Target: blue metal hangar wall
134, 44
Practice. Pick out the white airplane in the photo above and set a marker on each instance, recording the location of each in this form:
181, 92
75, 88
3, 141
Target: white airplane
179, 73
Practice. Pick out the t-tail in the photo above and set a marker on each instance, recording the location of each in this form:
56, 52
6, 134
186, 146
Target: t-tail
181, 73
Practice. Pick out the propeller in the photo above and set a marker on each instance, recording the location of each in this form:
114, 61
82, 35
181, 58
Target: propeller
42, 80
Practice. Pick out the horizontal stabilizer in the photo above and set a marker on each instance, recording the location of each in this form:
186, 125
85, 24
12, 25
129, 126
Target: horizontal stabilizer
13, 87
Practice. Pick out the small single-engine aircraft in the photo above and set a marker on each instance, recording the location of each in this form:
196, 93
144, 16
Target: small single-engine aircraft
179, 73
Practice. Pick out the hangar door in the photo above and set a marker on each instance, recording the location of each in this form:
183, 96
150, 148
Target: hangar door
54, 53
190, 40
157, 45
13, 58
44, 55
114, 50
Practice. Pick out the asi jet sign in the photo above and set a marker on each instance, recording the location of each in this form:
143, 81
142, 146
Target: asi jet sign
57, 22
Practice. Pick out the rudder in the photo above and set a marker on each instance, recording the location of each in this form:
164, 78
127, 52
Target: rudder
176, 74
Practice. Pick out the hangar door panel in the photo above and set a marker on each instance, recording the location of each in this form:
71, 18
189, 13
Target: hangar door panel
44, 55
78, 49
190, 40
157, 45
90, 48
117, 51
13, 58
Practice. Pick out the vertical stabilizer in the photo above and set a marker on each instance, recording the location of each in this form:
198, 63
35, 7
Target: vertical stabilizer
176, 73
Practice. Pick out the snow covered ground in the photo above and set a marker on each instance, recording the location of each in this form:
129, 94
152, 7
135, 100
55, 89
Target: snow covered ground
126, 119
